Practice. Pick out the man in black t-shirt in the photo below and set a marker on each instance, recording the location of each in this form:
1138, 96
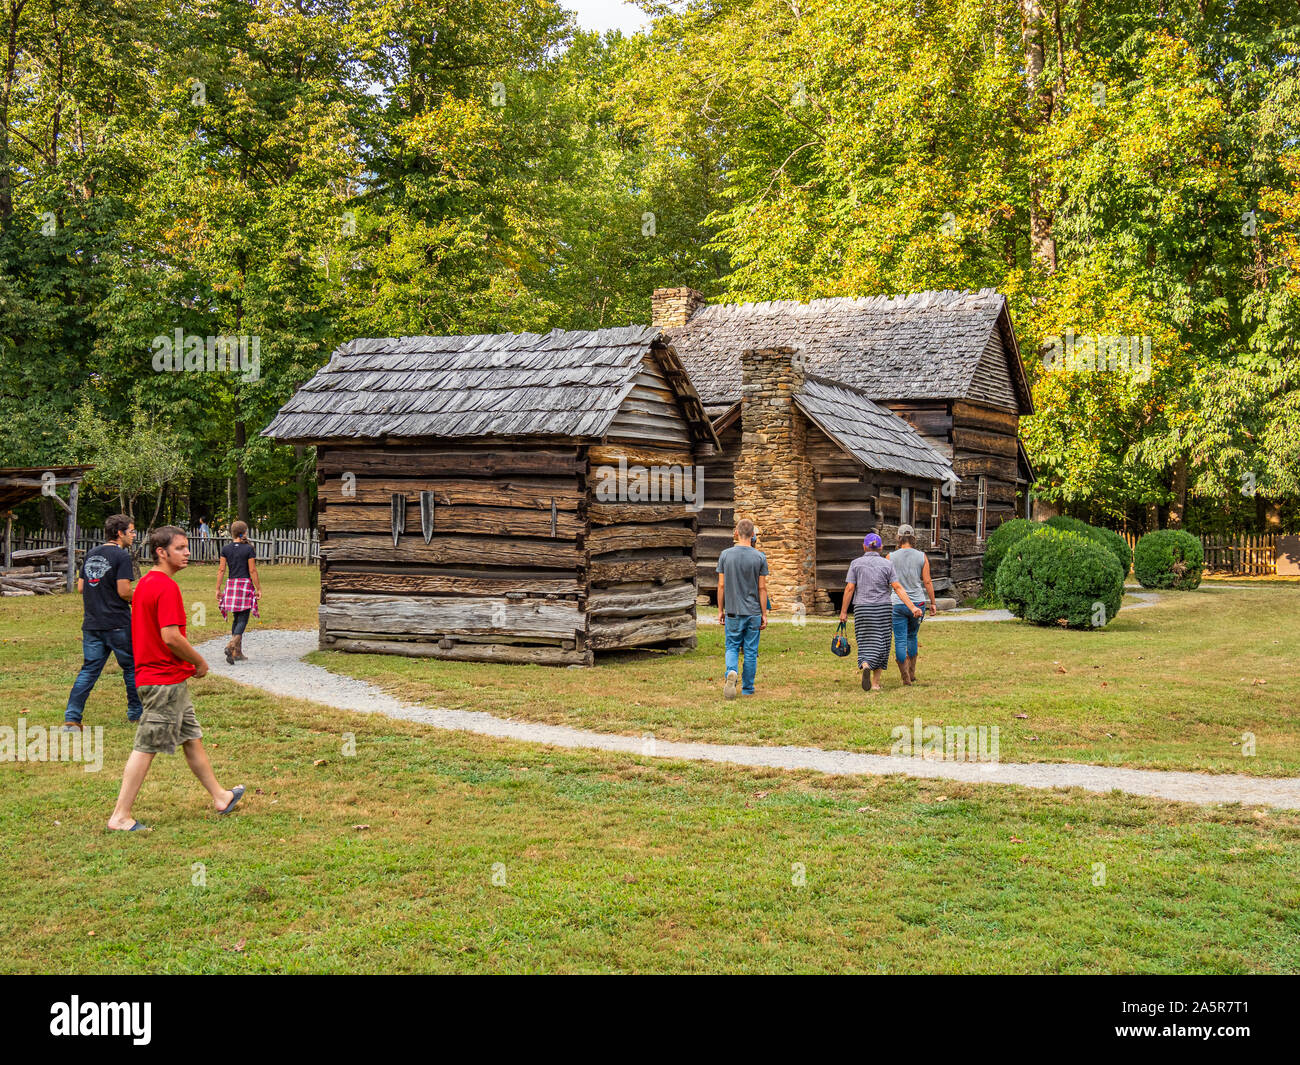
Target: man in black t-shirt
105, 586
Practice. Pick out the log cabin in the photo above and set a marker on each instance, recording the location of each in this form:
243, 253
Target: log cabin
511, 498
945, 363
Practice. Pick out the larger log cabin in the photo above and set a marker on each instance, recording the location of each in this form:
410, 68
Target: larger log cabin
465, 487
945, 363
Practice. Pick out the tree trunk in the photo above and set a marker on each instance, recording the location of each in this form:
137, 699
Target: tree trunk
1179, 502
157, 508
1033, 27
241, 474
6, 95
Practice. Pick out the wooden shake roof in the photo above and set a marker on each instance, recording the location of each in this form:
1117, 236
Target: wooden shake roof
927, 345
874, 436
565, 384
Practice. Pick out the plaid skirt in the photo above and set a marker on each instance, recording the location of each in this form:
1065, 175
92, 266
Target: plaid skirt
237, 595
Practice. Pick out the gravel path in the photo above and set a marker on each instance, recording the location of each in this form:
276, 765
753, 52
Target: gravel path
276, 666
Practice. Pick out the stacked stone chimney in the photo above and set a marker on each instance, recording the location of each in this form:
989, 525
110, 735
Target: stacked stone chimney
670, 307
774, 477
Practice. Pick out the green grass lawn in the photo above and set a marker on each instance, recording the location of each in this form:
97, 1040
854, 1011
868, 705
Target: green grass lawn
1170, 686
601, 862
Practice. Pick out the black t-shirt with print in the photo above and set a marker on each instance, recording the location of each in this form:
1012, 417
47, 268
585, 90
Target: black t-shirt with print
101, 569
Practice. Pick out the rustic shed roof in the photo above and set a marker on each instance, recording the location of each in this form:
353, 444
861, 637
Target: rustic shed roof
18, 484
923, 346
874, 436
567, 384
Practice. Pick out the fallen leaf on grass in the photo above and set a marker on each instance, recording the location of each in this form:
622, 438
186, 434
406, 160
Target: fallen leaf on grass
23, 710
1023, 717
320, 761
1060, 669
360, 827
762, 794
238, 948
1016, 839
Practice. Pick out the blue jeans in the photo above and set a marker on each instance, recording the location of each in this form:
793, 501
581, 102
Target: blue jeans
905, 629
96, 646
742, 635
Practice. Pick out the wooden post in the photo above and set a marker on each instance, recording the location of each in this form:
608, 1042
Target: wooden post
9, 538
72, 536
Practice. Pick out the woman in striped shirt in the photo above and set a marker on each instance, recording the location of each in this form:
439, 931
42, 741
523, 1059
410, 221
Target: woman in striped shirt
867, 587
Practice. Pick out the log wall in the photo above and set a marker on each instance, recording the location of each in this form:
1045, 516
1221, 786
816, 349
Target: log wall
502, 576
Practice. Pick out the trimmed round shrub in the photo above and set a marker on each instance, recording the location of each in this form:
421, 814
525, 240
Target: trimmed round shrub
1000, 541
1108, 538
1053, 577
1169, 558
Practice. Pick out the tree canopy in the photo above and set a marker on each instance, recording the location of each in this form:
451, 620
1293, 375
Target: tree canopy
300, 173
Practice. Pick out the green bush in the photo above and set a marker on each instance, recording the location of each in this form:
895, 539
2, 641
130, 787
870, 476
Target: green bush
1108, 538
1169, 558
999, 542
1053, 577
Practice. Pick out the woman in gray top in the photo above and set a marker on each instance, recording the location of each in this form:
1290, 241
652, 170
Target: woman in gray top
868, 586
913, 568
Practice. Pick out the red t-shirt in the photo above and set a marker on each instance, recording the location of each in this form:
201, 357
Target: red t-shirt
157, 603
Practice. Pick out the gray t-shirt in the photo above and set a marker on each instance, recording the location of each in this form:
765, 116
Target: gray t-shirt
909, 562
872, 573
741, 566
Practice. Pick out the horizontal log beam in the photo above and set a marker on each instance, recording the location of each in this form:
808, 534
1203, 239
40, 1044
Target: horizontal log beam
398, 460
637, 632
610, 538
428, 584
609, 454
451, 550
641, 598
630, 513
515, 654
534, 493
445, 615
617, 571
989, 443
486, 521
978, 417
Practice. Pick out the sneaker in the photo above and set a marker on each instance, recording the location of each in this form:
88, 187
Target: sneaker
73, 726
729, 685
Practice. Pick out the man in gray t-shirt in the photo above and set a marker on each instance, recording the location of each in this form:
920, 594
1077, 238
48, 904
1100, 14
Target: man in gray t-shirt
742, 606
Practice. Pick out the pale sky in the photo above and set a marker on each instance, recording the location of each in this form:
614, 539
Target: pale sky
605, 15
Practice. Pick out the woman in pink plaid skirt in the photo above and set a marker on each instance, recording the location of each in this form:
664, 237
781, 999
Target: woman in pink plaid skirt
242, 588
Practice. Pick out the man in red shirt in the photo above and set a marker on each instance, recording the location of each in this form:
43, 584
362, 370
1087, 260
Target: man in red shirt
164, 662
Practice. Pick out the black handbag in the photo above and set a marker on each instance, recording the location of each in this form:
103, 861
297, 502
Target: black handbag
840, 642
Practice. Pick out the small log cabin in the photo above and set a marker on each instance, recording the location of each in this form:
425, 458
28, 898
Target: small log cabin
511, 498
945, 363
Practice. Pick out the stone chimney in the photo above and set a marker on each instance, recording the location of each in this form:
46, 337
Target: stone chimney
774, 478
670, 307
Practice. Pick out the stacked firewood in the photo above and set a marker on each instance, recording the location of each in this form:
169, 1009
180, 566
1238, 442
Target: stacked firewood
29, 580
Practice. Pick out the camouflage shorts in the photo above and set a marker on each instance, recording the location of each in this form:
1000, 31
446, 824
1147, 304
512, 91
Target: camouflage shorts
168, 718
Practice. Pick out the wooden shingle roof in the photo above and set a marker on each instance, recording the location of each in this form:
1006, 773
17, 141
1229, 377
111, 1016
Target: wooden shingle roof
926, 345
876, 437
566, 384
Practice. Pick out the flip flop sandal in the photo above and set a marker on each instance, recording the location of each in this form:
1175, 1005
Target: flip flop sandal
238, 792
